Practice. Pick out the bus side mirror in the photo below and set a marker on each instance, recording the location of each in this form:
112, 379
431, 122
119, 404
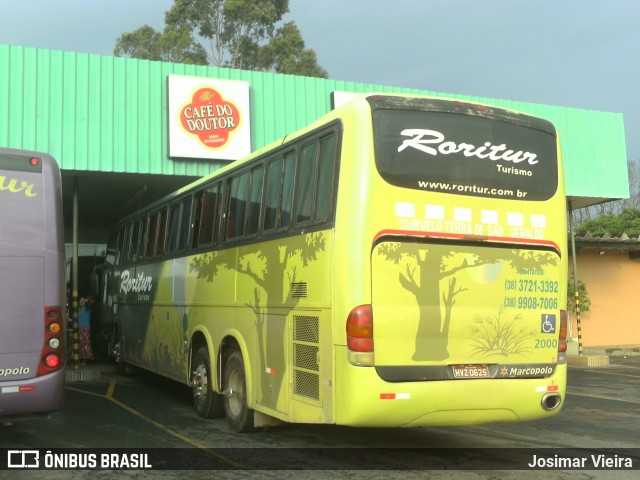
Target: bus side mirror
112, 284
95, 285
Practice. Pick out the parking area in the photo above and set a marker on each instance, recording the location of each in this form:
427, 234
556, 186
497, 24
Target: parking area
142, 411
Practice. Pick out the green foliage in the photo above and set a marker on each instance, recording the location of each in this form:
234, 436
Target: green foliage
241, 34
171, 46
615, 224
583, 296
286, 53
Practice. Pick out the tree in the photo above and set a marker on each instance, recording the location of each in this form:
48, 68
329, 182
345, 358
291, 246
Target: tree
285, 53
583, 296
582, 215
241, 34
171, 46
615, 224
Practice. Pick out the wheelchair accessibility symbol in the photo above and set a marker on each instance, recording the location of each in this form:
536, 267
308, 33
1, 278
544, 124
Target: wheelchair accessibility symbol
548, 323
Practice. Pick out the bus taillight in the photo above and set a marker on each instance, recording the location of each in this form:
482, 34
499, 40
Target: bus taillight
360, 335
52, 361
53, 352
562, 340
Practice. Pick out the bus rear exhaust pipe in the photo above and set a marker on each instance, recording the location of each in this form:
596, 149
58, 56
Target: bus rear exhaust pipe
551, 401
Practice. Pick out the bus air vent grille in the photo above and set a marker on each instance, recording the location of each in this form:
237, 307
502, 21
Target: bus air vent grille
299, 290
306, 357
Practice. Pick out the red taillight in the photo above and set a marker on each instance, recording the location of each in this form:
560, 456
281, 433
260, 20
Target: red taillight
52, 361
53, 349
360, 329
562, 343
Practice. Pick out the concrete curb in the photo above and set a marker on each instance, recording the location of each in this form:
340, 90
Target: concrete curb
87, 373
599, 356
589, 361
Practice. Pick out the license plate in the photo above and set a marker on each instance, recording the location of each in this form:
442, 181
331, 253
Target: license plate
470, 371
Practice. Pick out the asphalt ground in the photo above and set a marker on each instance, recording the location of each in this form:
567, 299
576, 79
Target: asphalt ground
106, 411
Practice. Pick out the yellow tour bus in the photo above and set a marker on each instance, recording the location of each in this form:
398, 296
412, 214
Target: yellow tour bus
400, 262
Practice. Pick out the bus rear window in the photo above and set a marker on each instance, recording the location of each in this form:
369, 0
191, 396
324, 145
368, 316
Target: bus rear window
22, 219
465, 154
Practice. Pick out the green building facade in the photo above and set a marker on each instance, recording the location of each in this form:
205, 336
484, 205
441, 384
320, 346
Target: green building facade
105, 120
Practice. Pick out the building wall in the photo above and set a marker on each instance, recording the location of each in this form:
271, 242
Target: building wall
611, 280
107, 114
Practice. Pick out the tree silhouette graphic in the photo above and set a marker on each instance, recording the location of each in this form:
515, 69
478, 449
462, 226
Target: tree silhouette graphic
267, 266
423, 267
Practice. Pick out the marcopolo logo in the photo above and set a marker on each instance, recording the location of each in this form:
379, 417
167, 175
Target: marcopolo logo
526, 371
5, 372
211, 118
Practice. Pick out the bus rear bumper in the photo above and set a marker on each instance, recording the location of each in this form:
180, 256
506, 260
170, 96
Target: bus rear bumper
362, 398
40, 395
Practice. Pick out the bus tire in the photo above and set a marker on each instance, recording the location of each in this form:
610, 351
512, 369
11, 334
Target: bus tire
239, 415
208, 403
116, 352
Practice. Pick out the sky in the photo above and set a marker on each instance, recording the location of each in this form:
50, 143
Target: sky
570, 53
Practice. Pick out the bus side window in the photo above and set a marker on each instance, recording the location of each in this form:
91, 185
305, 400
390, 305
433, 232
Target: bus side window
173, 228
286, 197
326, 169
135, 237
142, 244
197, 218
278, 192
112, 249
306, 184
119, 246
162, 231
272, 194
185, 224
237, 205
125, 244
255, 199
152, 235
209, 204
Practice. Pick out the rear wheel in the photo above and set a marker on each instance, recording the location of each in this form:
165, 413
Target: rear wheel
116, 351
208, 403
239, 415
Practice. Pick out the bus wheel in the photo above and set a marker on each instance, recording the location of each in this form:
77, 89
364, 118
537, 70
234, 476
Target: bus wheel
116, 352
239, 415
208, 403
